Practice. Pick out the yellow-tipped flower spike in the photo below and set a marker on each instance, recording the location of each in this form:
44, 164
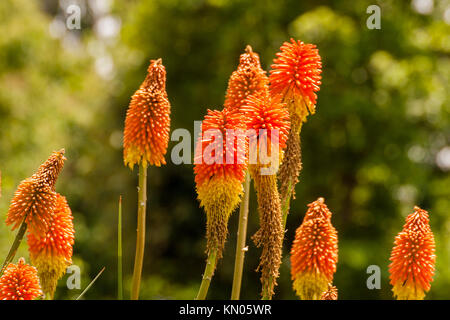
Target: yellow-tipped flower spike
147, 123
295, 75
52, 252
20, 282
413, 258
35, 198
219, 185
314, 253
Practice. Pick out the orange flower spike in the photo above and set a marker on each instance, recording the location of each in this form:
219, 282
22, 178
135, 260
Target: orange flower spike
20, 282
330, 294
265, 112
413, 258
219, 185
248, 79
147, 124
52, 252
35, 198
295, 75
314, 253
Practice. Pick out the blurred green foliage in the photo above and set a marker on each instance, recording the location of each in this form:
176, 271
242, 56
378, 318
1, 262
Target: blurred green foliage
374, 149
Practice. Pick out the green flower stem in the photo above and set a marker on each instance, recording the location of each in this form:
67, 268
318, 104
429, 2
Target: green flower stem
140, 239
241, 248
119, 253
15, 246
207, 275
266, 292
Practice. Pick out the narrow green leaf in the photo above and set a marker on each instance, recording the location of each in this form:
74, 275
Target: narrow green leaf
90, 284
119, 253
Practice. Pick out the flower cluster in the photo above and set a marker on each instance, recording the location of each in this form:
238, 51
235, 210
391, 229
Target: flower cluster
48, 218
52, 253
314, 253
295, 75
219, 179
247, 80
147, 123
35, 198
412, 267
20, 282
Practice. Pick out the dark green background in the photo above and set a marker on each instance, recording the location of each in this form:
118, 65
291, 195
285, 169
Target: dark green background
371, 150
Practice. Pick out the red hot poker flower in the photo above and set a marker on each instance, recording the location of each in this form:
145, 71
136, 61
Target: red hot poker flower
314, 253
147, 123
52, 252
219, 174
295, 75
248, 79
19, 282
412, 267
269, 119
35, 198
269, 113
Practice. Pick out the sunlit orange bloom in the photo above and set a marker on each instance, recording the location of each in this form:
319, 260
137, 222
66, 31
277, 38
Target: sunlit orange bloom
330, 294
147, 123
19, 282
52, 252
220, 165
268, 113
295, 75
412, 267
35, 198
216, 124
314, 253
249, 78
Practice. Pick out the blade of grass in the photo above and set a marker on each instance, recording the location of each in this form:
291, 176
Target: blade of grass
90, 284
119, 253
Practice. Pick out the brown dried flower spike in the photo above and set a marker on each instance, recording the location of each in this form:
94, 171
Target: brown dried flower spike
35, 199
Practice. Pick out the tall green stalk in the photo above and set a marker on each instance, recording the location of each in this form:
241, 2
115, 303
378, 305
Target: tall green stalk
241, 247
119, 253
207, 275
14, 246
140, 239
